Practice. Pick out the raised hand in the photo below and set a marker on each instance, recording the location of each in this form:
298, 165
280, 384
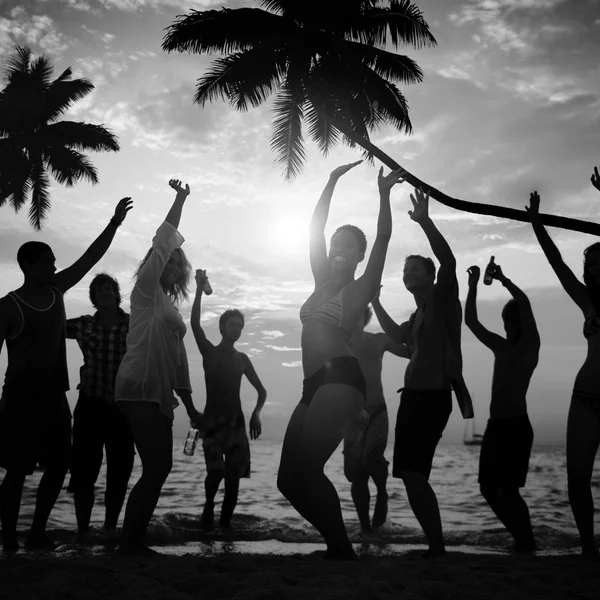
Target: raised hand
387, 182
595, 179
181, 191
420, 202
255, 426
474, 274
121, 210
533, 210
498, 274
339, 171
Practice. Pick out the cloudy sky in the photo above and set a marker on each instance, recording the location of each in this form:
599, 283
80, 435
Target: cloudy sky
510, 103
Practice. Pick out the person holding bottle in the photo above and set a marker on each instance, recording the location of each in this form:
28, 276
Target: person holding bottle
225, 443
155, 367
508, 437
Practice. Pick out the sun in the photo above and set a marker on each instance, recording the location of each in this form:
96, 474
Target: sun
289, 234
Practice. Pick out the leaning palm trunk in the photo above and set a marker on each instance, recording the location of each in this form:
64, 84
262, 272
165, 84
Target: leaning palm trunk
471, 207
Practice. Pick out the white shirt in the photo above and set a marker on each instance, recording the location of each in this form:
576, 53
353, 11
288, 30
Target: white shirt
156, 362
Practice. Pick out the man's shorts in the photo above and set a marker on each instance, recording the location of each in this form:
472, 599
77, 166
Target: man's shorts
505, 452
35, 433
226, 447
341, 369
365, 444
422, 418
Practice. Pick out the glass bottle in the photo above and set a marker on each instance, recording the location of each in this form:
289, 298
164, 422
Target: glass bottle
490, 271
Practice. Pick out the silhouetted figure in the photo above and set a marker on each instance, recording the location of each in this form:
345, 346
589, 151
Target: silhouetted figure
366, 438
98, 424
583, 425
432, 335
225, 443
154, 367
35, 418
334, 388
507, 440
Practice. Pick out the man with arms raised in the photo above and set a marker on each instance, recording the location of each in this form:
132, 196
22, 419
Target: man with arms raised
225, 444
35, 419
432, 335
366, 439
507, 441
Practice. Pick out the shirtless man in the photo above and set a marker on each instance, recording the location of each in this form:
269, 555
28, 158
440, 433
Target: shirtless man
432, 335
507, 441
35, 419
366, 439
225, 444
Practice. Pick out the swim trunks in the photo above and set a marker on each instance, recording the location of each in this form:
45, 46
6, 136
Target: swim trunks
226, 446
422, 418
365, 444
505, 452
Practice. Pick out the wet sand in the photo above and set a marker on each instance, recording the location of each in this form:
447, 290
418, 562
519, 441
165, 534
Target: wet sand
253, 571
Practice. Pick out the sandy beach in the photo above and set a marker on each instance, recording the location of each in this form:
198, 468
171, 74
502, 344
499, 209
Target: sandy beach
232, 574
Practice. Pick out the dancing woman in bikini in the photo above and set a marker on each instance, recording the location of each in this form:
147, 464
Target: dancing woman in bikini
583, 424
334, 386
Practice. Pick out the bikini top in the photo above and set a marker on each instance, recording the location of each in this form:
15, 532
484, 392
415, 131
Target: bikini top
329, 312
591, 326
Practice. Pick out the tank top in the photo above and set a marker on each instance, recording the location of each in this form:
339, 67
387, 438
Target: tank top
37, 354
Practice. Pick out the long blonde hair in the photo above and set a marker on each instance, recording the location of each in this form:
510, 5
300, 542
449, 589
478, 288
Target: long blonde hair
179, 290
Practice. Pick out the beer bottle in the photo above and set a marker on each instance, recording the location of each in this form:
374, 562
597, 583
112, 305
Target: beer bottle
490, 271
190, 442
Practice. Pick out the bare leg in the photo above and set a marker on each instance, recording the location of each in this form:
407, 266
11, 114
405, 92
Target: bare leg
211, 486
84, 503
11, 491
511, 509
583, 439
119, 464
381, 503
361, 498
424, 505
232, 486
153, 438
48, 491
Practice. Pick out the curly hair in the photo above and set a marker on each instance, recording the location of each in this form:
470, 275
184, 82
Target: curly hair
361, 238
101, 279
179, 290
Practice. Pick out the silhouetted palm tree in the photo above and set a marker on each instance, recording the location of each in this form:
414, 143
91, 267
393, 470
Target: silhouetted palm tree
32, 139
326, 62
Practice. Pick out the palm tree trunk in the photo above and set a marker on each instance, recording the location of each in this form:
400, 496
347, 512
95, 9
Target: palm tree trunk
470, 207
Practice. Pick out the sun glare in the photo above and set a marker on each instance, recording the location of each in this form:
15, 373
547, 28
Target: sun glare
289, 234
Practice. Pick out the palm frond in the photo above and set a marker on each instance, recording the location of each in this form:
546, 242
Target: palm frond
244, 78
62, 94
40, 75
388, 65
14, 175
17, 63
320, 129
286, 140
40, 196
80, 136
403, 21
69, 166
223, 31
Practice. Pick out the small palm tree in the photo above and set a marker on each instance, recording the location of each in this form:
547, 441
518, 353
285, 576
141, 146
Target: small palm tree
326, 62
32, 139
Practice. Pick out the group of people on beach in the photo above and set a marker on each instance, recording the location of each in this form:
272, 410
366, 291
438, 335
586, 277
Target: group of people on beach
135, 367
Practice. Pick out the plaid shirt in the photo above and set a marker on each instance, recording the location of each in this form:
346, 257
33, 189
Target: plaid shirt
103, 351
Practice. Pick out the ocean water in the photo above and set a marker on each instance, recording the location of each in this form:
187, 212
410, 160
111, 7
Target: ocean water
264, 515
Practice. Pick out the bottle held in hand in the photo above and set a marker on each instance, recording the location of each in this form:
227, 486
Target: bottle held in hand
190, 442
490, 271
207, 288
